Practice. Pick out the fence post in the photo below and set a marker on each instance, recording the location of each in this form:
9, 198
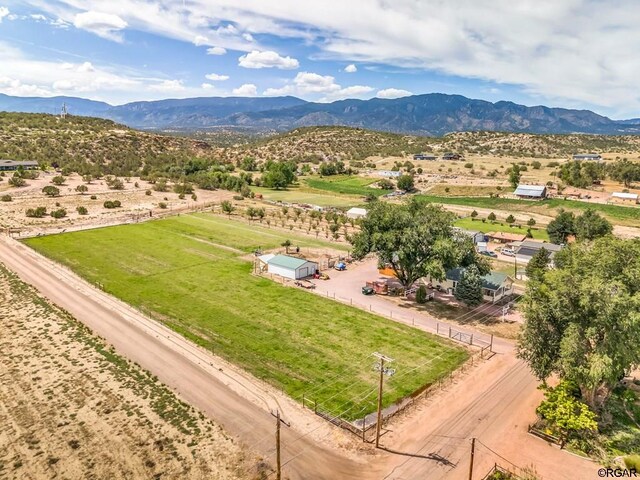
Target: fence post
491, 344
303, 400
363, 428
315, 406
449, 331
471, 341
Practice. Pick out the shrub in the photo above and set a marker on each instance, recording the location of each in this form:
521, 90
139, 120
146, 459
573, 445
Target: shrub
58, 180
82, 189
17, 181
38, 212
181, 196
160, 186
632, 462
93, 197
238, 197
421, 294
491, 217
536, 165
60, 213
468, 165
112, 204
510, 219
82, 210
474, 214
51, 191
162, 205
148, 192
194, 197
116, 184
6, 198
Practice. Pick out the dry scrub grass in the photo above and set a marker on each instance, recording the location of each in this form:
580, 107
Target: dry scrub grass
70, 407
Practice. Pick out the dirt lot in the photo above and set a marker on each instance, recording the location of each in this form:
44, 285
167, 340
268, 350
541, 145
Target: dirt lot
70, 407
135, 203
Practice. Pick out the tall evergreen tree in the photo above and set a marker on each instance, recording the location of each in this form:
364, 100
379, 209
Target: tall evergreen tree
539, 264
469, 288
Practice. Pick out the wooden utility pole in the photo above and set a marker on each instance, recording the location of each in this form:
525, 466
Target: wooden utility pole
382, 359
278, 463
473, 452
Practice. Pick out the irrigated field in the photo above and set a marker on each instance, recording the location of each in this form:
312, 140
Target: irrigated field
188, 272
346, 185
485, 227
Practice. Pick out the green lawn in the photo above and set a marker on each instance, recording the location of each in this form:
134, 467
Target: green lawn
177, 270
469, 224
617, 214
345, 185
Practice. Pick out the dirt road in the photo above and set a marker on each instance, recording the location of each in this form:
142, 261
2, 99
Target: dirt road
431, 441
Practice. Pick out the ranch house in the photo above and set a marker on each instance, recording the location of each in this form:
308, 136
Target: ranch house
624, 198
594, 157
11, 165
495, 285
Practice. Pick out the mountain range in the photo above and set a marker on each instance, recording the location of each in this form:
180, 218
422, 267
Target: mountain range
431, 114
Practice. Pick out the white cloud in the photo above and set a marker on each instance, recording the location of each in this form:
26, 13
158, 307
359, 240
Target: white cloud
216, 51
105, 25
207, 86
86, 67
246, 90
393, 93
38, 17
248, 37
214, 77
200, 40
573, 51
267, 59
312, 84
168, 86
351, 68
4, 11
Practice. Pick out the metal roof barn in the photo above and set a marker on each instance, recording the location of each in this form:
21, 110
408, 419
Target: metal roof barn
291, 267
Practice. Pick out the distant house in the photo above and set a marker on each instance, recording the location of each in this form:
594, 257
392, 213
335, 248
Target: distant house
288, 267
596, 157
356, 212
527, 249
423, 156
495, 285
388, 173
624, 198
451, 156
10, 165
531, 192
506, 237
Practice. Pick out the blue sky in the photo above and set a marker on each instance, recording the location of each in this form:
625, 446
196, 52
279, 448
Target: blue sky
574, 53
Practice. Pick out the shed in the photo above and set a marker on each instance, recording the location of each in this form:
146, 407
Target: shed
588, 156
474, 235
535, 192
291, 267
423, 156
624, 197
9, 165
356, 212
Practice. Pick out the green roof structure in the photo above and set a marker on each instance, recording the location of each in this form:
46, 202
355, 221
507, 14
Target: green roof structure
287, 262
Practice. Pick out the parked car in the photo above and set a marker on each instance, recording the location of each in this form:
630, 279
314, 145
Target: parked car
340, 266
509, 252
489, 254
367, 291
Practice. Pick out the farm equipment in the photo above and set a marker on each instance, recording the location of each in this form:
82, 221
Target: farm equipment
340, 266
320, 276
305, 284
368, 290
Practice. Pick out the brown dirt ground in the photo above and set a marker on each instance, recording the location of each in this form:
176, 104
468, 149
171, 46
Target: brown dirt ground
70, 407
135, 203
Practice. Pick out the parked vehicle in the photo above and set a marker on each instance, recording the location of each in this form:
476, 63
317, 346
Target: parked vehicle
509, 252
487, 253
340, 266
367, 290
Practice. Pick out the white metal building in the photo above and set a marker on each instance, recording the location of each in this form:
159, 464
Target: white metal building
291, 267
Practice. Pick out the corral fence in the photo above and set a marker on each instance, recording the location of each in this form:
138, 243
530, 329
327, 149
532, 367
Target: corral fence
363, 426
484, 343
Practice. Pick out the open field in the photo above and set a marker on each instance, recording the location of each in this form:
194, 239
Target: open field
70, 407
303, 194
617, 214
485, 227
346, 185
184, 272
